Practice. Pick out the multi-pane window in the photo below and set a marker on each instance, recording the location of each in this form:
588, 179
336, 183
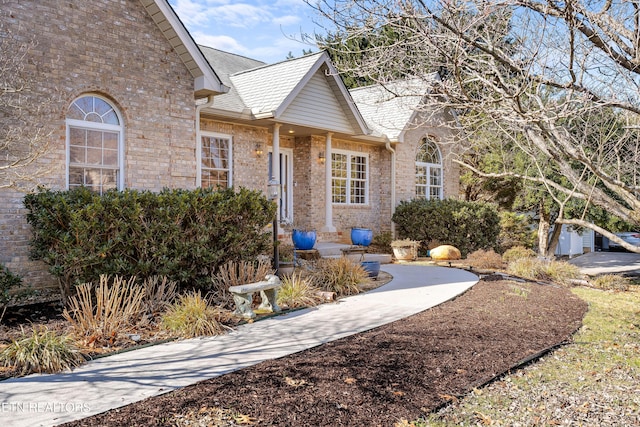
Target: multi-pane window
94, 144
428, 171
215, 164
349, 178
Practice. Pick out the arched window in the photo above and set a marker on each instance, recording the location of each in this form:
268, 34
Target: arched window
428, 171
94, 145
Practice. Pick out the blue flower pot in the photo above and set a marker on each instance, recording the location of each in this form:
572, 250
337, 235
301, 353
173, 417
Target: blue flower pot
303, 240
371, 267
361, 236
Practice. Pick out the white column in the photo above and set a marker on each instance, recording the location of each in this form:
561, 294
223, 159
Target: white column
275, 160
328, 204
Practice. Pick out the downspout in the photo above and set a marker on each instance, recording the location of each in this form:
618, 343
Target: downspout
393, 184
199, 108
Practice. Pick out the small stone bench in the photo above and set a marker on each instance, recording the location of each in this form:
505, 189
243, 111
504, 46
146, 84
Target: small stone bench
243, 296
354, 250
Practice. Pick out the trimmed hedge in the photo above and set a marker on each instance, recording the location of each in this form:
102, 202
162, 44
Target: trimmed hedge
469, 226
181, 234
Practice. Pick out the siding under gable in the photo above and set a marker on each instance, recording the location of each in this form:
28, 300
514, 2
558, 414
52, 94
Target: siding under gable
316, 106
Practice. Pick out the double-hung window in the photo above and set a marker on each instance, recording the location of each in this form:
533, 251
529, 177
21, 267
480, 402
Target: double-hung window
349, 178
428, 171
94, 145
215, 160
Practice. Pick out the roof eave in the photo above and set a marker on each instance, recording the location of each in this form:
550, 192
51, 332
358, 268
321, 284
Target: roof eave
206, 81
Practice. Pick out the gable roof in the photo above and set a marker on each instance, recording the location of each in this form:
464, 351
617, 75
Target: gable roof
390, 109
226, 65
206, 81
262, 91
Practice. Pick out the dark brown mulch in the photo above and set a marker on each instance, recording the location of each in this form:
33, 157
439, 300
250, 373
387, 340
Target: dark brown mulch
397, 371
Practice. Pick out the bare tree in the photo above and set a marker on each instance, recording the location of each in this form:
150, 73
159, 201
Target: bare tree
537, 72
25, 124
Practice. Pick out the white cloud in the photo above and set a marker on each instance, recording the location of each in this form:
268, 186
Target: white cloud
286, 20
262, 29
239, 15
191, 12
226, 43
289, 3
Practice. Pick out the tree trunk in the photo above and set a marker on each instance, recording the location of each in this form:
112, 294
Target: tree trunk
554, 239
543, 231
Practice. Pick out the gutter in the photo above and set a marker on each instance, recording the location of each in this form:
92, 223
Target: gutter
393, 184
199, 108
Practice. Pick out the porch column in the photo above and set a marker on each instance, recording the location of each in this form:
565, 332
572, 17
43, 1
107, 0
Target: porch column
275, 162
328, 204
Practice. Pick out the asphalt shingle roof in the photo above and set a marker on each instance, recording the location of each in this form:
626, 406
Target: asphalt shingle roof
389, 109
282, 78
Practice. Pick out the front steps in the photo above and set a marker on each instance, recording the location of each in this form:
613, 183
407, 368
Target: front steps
333, 250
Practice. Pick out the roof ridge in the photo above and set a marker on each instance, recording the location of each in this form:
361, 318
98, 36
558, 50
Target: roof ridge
266, 65
231, 53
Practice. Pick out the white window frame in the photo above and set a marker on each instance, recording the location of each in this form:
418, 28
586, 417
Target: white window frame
200, 167
428, 167
88, 125
349, 179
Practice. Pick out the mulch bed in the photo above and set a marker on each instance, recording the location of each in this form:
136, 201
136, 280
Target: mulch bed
398, 371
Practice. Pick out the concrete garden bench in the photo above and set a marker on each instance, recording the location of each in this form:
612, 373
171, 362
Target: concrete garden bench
243, 296
357, 250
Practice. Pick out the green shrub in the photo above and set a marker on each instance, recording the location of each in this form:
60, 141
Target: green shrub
516, 253
8, 280
515, 231
381, 243
43, 351
468, 226
181, 234
339, 275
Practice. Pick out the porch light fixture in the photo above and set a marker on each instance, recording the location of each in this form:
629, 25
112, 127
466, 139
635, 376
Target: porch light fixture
321, 158
258, 150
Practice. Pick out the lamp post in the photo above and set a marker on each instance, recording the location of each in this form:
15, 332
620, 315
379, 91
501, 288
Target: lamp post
273, 194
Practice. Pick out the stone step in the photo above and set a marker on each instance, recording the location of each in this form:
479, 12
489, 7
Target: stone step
333, 250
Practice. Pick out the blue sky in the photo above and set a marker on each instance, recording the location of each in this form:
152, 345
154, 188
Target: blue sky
264, 30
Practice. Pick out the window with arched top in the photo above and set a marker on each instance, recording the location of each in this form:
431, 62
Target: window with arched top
428, 170
94, 145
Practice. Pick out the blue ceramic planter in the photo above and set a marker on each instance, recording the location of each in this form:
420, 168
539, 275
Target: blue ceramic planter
303, 240
361, 236
371, 267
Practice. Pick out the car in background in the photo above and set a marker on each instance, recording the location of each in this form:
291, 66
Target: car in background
631, 237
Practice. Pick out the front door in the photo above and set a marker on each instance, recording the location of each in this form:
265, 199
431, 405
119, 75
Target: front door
286, 179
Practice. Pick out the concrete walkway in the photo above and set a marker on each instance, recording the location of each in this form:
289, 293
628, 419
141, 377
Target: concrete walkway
114, 381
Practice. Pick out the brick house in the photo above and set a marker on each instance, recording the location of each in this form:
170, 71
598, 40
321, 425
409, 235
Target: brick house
139, 105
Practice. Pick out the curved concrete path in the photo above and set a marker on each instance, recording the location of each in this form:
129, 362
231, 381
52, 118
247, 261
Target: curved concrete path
114, 381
